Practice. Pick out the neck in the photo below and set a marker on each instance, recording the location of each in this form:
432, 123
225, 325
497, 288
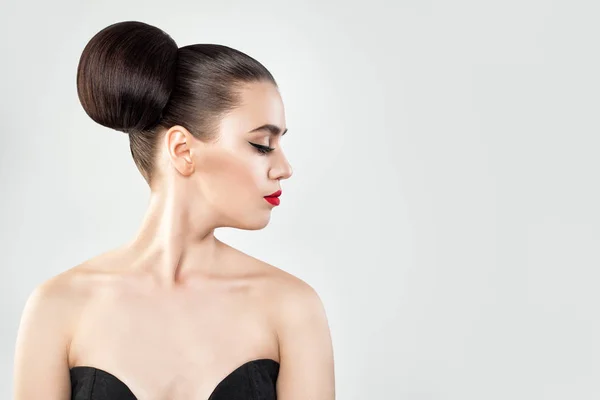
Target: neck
172, 245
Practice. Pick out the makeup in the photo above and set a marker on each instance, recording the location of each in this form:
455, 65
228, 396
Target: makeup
273, 198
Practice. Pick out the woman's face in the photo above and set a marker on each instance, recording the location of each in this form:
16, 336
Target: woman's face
231, 175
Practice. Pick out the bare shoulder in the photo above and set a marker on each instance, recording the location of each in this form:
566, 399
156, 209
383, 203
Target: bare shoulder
54, 294
43, 338
289, 296
294, 295
284, 289
58, 297
296, 303
304, 338
59, 300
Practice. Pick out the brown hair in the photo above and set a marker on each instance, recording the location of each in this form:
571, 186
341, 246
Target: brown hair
133, 78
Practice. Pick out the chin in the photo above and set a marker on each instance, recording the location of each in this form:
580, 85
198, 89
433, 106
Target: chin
258, 221
258, 225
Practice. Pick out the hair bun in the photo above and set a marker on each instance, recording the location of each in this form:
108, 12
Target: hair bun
126, 74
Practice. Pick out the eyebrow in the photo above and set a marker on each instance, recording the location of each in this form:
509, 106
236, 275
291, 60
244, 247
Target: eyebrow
273, 129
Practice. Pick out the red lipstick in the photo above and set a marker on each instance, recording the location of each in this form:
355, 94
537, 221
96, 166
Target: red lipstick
273, 198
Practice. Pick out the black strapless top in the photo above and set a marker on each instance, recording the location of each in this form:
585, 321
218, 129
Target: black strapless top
253, 380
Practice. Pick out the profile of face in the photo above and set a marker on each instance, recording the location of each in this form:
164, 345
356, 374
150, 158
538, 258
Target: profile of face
232, 175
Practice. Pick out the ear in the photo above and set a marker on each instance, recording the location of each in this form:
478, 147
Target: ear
178, 141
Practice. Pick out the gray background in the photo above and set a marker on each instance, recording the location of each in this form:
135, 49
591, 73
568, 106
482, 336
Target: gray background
445, 196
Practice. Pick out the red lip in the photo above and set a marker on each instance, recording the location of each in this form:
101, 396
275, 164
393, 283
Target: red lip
276, 194
273, 200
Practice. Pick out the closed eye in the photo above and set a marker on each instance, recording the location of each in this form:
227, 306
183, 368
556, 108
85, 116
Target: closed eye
262, 149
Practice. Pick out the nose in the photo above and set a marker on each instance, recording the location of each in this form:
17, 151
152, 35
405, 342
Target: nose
281, 169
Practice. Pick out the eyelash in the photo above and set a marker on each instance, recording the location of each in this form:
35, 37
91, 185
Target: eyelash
262, 149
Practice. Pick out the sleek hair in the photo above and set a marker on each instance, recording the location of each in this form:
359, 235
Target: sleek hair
133, 78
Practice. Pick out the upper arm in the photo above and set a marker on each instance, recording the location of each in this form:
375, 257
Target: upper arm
41, 369
306, 368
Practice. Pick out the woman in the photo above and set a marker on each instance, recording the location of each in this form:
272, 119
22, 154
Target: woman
176, 314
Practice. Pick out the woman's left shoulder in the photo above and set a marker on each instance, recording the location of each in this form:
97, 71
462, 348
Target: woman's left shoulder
286, 286
292, 297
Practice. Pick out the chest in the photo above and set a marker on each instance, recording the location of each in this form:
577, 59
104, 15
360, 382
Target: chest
173, 348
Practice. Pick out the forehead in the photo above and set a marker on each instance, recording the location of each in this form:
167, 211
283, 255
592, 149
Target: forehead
260, 103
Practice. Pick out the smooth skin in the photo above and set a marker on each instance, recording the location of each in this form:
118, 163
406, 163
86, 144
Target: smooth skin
175, 310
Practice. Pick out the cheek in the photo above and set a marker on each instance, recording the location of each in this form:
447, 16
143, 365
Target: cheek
231, 179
